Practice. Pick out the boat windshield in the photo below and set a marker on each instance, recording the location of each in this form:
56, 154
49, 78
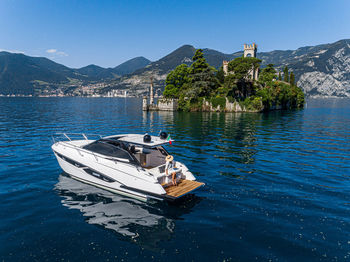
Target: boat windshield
111, 148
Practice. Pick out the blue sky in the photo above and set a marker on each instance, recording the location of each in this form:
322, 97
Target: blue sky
107, 33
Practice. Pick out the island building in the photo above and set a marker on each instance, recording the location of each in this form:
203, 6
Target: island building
249, 51
162, 103
172, 104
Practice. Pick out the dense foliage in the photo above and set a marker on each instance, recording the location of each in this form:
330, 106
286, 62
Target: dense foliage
175, 80
200, 82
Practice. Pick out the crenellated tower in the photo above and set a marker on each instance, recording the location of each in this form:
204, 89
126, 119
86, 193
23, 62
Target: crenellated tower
250, 50
225, 67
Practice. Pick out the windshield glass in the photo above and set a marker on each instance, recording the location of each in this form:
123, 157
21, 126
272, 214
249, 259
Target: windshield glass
110, 149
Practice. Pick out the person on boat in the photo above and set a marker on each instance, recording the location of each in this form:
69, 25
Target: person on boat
170, 168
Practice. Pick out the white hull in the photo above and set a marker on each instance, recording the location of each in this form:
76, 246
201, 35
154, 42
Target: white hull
131, 171
80, 175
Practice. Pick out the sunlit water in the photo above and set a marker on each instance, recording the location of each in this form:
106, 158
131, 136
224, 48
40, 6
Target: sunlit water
277, 185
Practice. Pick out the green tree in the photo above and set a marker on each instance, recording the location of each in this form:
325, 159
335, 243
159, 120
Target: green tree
220, 75
230, 84
267, 74
242, 66
285, 74
266, 95
175, 81
199, 64
292, 79
202, 77
279, 76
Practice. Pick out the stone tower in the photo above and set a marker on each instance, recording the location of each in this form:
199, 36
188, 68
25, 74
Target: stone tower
250, 50
225, 67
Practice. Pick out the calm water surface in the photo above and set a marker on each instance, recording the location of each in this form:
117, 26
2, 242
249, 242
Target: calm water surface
277, 185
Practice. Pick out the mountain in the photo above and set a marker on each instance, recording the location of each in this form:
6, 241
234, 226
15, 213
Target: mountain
139, 81
25, 75
94, 72
131, 65
215, 58
322, 70
21, 74
97, 72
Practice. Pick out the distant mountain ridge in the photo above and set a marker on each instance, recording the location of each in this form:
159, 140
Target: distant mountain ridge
26, 75
131, 65
97, 73
322, 70
19, 74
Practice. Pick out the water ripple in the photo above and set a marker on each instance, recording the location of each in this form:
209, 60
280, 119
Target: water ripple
277, 185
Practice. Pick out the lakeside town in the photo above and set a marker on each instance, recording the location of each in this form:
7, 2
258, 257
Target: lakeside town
91, 90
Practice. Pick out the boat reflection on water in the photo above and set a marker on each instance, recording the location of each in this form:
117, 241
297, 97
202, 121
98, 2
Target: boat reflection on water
143, 223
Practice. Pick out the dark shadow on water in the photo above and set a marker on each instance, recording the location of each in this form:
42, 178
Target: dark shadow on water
145, 224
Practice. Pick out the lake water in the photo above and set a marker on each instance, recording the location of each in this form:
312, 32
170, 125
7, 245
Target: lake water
277, 185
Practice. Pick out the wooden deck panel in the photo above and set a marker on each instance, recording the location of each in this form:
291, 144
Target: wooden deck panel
182, 188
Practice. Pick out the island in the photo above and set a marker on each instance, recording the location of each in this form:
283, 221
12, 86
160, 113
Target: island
237, 86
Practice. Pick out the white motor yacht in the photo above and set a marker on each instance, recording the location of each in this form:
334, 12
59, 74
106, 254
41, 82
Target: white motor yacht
133, 165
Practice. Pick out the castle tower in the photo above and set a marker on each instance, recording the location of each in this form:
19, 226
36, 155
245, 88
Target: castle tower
225, 67
250, 50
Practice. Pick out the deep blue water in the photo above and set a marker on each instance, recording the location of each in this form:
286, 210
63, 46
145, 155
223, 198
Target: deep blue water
277, 185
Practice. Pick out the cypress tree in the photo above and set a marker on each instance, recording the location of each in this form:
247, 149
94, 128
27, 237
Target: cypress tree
285, 74
292, 79
279, 76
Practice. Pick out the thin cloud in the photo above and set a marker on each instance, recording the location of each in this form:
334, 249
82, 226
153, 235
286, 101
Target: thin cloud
56, 53
61, 53
51, 51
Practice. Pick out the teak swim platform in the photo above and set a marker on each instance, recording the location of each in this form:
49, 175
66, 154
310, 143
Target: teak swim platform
183, 187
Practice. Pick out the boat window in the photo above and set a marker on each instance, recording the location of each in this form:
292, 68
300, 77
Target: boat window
106, 149
151, 157
163, 151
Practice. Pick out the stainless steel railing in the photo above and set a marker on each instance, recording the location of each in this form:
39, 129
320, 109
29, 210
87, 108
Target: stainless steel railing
58, 137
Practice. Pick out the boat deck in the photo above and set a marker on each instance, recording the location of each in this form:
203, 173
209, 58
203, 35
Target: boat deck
183, 187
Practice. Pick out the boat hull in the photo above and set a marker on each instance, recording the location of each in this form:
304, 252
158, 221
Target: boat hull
121, 175
80, 174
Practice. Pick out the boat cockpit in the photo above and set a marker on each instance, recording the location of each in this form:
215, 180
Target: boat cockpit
147, 157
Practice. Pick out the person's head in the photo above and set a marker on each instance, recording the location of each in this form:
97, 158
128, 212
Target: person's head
169, 158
